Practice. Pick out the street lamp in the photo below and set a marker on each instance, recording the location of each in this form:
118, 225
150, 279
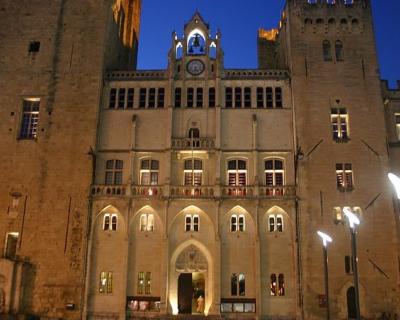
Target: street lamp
354, 221
325, 240
395, 180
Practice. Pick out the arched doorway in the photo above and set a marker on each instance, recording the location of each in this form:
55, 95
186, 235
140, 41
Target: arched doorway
351, 303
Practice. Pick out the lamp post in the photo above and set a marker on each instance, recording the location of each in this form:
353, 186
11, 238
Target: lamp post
354, 221
395, 180
325, 240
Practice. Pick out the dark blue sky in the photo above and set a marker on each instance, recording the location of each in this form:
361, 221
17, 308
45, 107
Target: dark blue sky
239, 21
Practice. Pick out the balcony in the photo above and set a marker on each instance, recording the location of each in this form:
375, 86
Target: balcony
192, 192
274, 192
110, 190
147, 191
195, 143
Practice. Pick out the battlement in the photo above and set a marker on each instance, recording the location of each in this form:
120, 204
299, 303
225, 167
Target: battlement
388, 92
333, 3
269, 35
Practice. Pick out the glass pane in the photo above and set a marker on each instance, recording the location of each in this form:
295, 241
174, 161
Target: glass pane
234, 283
154, 178
232, 165
241, 165
110, 164
154, 165
145, 178
226, 307
238, 307
119, 164
242, 285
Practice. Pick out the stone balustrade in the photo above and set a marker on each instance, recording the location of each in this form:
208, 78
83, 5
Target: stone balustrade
110, 190
195, 143
192, 192
147, 191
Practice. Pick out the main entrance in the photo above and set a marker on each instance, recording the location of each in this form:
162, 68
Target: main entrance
191, 293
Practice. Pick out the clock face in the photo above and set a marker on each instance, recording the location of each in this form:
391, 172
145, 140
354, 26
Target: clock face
195, 67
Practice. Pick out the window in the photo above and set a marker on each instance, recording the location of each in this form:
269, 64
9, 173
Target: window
260, 98
178, 97
238, 97
34, 47
270, 97
228, 98
247, 97
30, 118
238, 223
190, 92
199, 97
277, 285
344, 176
149, 170
242, 285
147, 222
106, 282
278, 98
144, 283
281, 285
397, 119
121, 98
348, 264
113, 98
237, 173
114, 172
11, 245
211, 97
192, 223
193, 172
327, 51
160, 98
152, 98
142, 97
338, 214
274, 176
238, 284
273, 285
339, 121
275, 223
131, 96
110, 222
234, 284
339, 51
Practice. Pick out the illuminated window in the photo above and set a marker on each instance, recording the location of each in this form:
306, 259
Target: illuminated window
189, 98
260, 98
178, 97
110, 222
273, 285
149, 170
211, 97
247, 97
193, 172
237, 173
199, 97
160, 97
238, 284
113, 174
242, 284
106, 282
274, 176
192, 223
144, 283
340, 124
344, 176
327, 50
337, 214
30, 118
10, 251
147, 222
312, 1
142, 97
331, 2
397, 119
238, 223
339, 51
275, 223
228, 98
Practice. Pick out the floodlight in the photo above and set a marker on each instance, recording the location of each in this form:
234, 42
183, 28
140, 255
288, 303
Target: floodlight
395, 180
353, 219
325, 238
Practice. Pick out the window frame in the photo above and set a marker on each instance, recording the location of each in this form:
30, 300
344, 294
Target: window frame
110, 222
146, 226
106, 282
340, 124
116, 172
344, 176
150, 171
29, 123
192, 223
278, 225
192, 172
397, 124
236, 172
237, 223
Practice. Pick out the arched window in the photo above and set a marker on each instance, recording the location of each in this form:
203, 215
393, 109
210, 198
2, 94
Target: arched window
114, 222
106, 222
213, 50
327, 50
149, 170
237, 173
192, 223
179, 51
196, 44
275, 223
273, 285
348, 2
193, 172
343, 24
147, 222
339, 51
110, 222
281, 284
238, 223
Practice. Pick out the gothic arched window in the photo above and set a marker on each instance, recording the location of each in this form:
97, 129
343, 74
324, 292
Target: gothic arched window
196, 43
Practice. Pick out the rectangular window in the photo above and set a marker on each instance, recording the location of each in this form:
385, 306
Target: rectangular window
199, 98
30, 118
344, 176
160, 98
228, 97
211, 97
397, 119
238, 97
260, 98
278, 98
152, 98
142, 97
147, 283
190, 93
113, 174
106, 282
269, 97
34, 47
237, 173
348, 264
193, 172
281, 285
141, 282
234, 284
121, 98
273, 285
339, 121
131, 97
242, 285
11, 245
247, 97
149, 170
178, 97
113, 98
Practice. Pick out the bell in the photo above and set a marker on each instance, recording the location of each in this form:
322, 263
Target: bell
196, 41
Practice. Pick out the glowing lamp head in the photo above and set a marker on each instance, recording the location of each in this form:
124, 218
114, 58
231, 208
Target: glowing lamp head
325, 238
353, 219
395, 180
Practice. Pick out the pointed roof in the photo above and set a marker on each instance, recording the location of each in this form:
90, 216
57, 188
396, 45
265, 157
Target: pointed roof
197, 16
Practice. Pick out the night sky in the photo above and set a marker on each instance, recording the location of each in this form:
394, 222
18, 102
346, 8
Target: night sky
239, 21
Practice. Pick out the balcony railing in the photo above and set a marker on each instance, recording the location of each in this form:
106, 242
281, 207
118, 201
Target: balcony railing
110, 190
277, 192
238, 191
195, 143
192, 192
147, 191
